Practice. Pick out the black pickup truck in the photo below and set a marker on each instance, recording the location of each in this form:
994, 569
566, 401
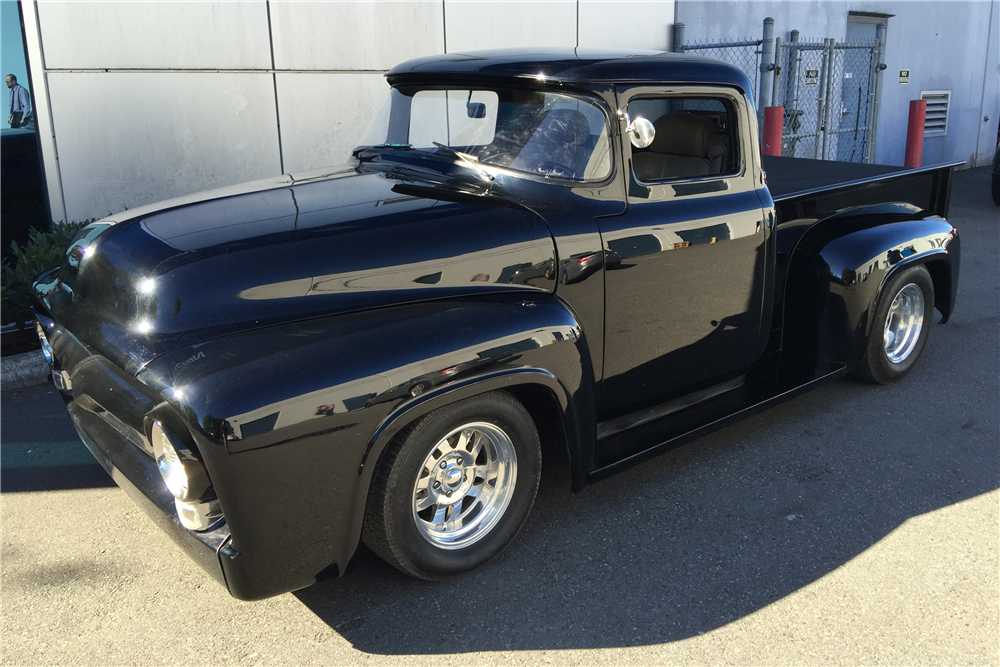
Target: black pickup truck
577, 250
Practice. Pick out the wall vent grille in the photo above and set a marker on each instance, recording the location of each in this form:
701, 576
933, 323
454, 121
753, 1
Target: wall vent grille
938, 106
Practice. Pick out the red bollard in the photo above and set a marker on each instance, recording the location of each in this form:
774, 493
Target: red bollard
773, 120
915, 134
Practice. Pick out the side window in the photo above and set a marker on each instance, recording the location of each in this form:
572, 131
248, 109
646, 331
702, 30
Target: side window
695, 137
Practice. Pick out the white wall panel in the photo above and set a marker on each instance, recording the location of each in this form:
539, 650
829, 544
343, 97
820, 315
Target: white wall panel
323, 115
626, 24
354, 35
158, 35
127, 139
474, 25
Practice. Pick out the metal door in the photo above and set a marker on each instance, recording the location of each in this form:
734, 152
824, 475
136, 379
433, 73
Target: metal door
684, 290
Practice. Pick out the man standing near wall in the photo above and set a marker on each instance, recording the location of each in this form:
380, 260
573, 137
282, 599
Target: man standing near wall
20, 104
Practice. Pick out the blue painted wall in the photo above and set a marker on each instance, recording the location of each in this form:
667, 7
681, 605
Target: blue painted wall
951, 45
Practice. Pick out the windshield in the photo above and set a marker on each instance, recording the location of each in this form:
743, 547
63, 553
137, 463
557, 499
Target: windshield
535, 132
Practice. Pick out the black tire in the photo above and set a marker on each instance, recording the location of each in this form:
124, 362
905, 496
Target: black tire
996, 176
879, 365
408, 539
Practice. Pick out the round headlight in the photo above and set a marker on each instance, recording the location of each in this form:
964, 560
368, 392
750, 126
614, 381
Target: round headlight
170, 465
184, 475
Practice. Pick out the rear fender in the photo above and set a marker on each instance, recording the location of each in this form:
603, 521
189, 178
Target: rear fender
840, 265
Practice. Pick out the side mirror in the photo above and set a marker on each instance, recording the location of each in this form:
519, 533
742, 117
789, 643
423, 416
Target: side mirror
641, 132
475, 109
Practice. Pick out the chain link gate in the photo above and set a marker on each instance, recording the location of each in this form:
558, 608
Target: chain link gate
852, 97
829, 91
797, 87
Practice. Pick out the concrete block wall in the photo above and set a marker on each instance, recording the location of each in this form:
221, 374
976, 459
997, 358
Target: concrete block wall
139, 102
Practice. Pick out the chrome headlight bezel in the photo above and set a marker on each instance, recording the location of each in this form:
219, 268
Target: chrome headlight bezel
182, 471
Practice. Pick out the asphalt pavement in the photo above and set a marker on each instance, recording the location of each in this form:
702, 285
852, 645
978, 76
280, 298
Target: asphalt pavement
853, 525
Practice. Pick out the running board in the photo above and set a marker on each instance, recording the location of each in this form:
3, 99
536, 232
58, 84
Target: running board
627, 422
789, 377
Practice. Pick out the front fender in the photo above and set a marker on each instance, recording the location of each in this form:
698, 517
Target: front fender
838, 268
291, 420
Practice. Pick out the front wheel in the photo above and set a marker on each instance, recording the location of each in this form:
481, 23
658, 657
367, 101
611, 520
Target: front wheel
454, 488
900, 326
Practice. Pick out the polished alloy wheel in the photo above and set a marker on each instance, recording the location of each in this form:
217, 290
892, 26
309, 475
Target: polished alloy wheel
903, 323
464, 485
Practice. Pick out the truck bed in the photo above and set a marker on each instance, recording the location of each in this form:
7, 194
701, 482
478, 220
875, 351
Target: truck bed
816, 188
788, 175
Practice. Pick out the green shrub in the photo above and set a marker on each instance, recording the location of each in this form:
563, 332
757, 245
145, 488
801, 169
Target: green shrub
42, 251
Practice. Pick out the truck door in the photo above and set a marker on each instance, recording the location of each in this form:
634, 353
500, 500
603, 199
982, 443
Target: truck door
684, 280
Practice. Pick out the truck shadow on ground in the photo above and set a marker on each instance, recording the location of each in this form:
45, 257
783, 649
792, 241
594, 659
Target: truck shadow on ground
41, 450
695, 539
54, 478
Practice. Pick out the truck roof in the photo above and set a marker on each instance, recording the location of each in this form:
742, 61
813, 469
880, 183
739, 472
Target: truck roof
576, 66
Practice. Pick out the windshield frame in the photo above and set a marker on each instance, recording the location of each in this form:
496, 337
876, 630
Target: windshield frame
478, 84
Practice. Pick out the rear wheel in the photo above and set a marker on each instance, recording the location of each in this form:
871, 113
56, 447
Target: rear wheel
900, 326
996, 176
453, 489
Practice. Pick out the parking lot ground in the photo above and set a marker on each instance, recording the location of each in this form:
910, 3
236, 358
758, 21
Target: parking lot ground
853, 525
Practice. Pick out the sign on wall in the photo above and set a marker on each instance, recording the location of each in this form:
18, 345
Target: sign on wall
904, 76
812, 76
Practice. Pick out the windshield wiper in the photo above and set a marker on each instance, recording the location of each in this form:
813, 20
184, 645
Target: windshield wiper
451, 151
360, 149
471, 160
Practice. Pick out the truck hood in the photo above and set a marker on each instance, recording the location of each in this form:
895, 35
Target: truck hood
177, 275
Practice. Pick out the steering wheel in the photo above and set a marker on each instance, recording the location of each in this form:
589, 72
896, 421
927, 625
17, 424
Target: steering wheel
555, 169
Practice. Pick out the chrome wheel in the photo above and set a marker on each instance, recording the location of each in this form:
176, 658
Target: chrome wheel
903, 323
464, 485
453, 488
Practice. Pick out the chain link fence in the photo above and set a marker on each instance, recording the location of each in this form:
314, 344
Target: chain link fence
742, 54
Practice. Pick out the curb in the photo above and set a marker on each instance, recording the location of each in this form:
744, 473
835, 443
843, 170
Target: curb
24, 370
